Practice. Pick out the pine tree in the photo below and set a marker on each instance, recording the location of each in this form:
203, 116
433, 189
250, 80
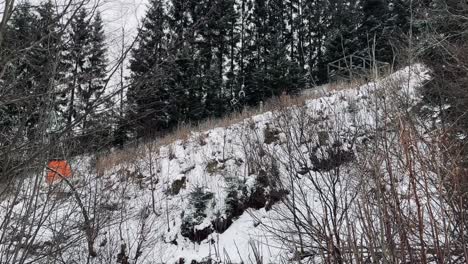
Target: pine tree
79, 50
92, 92
214, 52
272, 67
50, 57
195, 58
186, 82
34, 74
282, 61
256, 41
16, 80
33, 49
444, 48
233, 32
342, 38
87, 63
151, 102
191, 64
398, 27
373, 31
296, 71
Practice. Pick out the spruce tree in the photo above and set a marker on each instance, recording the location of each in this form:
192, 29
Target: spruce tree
282, 62
316, 20
214, 52
78, 53
33, 76
374, 36
86, 61
95, 112
342, 37
186, 81
256, 45
398, 26
33, 49
272, 67
16, 80
233, 37
50, 55
152, 104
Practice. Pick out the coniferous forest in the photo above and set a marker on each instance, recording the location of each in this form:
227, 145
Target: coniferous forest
198, 59
234, 131
191, 60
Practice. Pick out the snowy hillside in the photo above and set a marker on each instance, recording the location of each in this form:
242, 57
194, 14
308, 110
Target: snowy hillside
233, 194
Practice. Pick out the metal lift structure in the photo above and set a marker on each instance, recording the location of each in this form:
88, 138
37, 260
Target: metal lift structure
355, 67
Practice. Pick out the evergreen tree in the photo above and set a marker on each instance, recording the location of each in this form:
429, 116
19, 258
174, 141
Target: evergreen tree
272, 67
342, 38
96, 68
444, 48
189, 69
188, 27
213, 50
151, 102
34, 68
233, 31
86, 61
398, 27
78, 53
296, 71
373, 31
16, 80
199, 199
95, 112
282, 62
50, 55
32, 75
194, 58
256, 45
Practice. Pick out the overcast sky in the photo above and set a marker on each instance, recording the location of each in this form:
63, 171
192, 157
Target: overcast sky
121, 14
121, 18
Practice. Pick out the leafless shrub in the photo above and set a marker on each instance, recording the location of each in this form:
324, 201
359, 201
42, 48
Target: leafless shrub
364, 191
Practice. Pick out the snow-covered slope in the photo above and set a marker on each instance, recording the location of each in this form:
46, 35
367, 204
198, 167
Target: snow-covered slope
214, 195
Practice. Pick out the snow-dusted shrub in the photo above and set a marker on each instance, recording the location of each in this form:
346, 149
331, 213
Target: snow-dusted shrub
237, 195
199, 199
177, 185
330, 157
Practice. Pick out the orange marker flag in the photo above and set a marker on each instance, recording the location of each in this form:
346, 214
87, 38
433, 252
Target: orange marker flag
56, 169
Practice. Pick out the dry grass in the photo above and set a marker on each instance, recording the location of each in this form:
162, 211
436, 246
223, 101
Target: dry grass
183, 132
343, 85
107, 161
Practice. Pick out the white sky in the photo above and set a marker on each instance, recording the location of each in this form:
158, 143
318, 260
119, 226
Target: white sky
118, 16
121, 15
121, 18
